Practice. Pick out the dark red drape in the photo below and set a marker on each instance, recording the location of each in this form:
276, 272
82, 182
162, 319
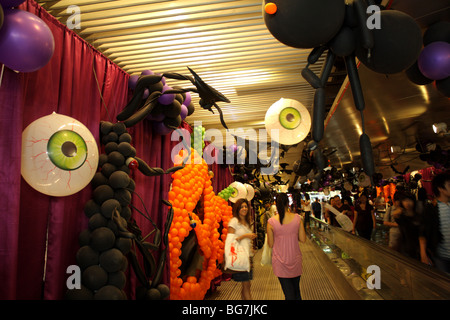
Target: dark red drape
39, 233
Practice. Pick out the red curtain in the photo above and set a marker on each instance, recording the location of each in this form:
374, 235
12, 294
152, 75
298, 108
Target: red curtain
39, 233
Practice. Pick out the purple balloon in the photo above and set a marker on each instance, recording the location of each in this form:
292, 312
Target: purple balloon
184, 112
161, 129
132, 81
10, 3
434, 60
26, 42
188, 99
166, 99
147, 72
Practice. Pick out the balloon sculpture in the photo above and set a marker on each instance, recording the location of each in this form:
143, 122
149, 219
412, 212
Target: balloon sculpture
433, 63
152, 98
342, 29
198, 230
112, 233
59, 155
26, 42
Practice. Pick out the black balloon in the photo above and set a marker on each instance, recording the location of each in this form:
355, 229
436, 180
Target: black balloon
443, 86
305, 23
440, 31
415, 75
86, 257
344, 43
119, 179
102, 239
109, 292
111, 260
397, 44
94, 277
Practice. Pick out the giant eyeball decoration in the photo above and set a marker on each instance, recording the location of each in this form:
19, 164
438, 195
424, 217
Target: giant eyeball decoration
239, 191
59, 155
290, 118
250, 191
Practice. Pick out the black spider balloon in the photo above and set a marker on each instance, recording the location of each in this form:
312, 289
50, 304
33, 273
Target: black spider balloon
137, 108
392, 45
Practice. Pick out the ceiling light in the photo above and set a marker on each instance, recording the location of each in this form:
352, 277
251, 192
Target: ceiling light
440, 128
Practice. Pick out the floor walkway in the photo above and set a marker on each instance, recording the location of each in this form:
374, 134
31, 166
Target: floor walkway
316, 282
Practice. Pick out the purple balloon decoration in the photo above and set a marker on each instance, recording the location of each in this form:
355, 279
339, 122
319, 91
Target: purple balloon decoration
10, 3
434, 60
147, 72
132, 82
166, 99
188, 99
26, 42
184, 112
161, 129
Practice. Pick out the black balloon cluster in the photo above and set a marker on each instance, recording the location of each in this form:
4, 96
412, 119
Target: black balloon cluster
433, 63
168, 106
106, 246
391, 45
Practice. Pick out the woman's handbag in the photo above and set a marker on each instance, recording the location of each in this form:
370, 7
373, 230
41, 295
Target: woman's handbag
266, 257
237, 255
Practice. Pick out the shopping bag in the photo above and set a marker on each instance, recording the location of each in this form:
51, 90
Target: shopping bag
342, 219
237, 255
266, 258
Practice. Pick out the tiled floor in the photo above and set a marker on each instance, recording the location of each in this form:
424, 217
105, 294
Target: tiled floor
315, 283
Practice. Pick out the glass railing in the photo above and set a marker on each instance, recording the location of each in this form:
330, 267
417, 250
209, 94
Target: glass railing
374, 270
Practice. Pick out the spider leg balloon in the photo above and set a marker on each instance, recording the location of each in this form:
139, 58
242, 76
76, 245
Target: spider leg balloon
342, 30
152, 98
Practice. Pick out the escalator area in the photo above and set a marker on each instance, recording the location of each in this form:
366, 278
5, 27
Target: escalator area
373, 270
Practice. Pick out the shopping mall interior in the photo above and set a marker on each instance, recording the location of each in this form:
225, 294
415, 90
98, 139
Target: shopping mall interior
136, 130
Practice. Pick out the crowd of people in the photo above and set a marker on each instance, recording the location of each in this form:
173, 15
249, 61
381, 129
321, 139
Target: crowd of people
418, 228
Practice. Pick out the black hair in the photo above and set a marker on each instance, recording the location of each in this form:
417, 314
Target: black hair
439, 182
282, 203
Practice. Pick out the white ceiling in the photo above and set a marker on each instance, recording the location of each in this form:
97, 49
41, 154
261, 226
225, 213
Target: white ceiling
228, 45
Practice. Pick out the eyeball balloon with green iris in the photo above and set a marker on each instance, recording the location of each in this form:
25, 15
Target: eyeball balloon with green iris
59, 155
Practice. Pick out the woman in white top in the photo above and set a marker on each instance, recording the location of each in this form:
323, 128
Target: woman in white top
240, 226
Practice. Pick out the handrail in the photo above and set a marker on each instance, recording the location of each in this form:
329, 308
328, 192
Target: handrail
401, 277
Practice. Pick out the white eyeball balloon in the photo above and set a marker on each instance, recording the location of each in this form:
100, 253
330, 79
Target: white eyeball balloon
250, 191
59, 155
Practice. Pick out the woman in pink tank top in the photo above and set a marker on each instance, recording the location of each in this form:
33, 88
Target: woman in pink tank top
284, 231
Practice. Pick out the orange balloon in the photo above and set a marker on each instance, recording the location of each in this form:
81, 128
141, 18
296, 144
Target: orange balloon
270, 8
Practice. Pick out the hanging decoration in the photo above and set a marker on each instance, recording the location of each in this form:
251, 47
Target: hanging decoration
290, 119
155, 100
59, 155
26, 42
342, 30
433, 64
